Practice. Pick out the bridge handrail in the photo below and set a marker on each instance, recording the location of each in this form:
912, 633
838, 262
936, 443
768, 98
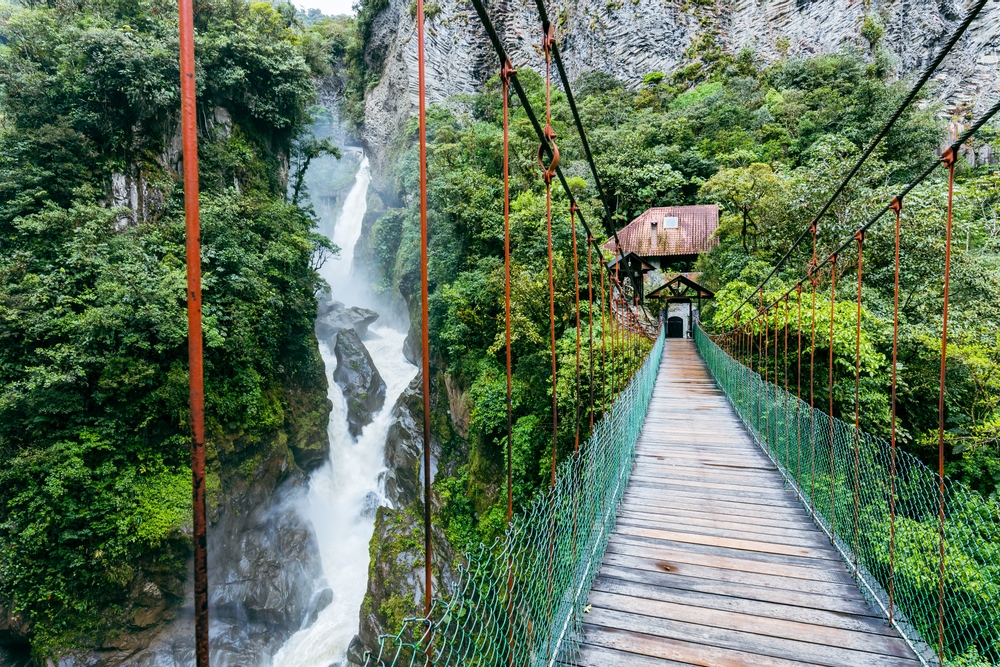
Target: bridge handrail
797, 438
520, 601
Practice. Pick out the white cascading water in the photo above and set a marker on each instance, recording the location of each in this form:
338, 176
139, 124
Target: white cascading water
336, 501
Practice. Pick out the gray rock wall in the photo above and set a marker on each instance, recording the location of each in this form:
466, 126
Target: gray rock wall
630, 38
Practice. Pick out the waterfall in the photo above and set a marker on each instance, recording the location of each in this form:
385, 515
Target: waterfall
338, 503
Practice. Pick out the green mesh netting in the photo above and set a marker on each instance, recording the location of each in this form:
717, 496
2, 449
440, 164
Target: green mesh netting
814, 452
520, 600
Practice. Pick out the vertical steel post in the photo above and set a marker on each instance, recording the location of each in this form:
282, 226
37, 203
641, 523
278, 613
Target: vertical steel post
897, 207
949, 158
189, 135
424, 324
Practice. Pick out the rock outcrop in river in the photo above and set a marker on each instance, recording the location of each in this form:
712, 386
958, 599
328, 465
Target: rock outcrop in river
363, 387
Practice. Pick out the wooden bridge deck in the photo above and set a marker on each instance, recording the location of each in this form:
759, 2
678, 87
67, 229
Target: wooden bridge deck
715, 562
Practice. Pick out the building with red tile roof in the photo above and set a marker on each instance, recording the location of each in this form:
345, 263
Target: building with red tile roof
670, 236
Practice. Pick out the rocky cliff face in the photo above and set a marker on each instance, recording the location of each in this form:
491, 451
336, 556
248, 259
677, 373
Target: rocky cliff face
630, 38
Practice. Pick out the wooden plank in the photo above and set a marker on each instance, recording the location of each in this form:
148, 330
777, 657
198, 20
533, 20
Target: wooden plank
845, 621
810, 570
654, 546
636, 644
746, 490
727, 574
599, 656
844, 603
748, 545
789, 521
752, 623
717, 505
775, 536
775, 647
696, 495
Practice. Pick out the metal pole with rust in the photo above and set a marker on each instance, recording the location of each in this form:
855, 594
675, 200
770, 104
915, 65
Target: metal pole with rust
424, 330
189, 134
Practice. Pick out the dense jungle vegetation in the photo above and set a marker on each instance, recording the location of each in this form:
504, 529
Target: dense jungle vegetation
94, 457
94, 487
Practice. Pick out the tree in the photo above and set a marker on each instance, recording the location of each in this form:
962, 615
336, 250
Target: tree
746, 192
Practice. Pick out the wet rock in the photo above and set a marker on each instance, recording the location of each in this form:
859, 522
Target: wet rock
363, 387
14, 629
321, 600
14, 657
334, 317
370, 505
404, 447
356, 652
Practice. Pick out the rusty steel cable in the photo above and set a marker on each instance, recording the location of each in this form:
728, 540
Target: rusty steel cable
798, 386
548, 172
424, 309
897, 205
949, 159
196, 382
812, 395
857, 401
604, 349
785, 364
505, 72
833, 470
590, 317
576, 300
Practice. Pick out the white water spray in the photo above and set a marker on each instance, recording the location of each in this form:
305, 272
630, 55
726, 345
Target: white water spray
336, 501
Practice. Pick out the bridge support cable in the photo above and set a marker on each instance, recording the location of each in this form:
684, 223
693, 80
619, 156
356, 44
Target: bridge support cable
548, 172
576, 300
833, 469
424, 309
192, 231
949, 158
860, 238
960, 30
505, 73
590, 317
897, 206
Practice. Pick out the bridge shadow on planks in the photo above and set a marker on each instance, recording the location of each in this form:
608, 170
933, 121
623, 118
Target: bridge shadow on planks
713, 561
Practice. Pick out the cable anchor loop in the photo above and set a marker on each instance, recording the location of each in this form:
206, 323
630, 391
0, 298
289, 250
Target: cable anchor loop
507, 71
548, 171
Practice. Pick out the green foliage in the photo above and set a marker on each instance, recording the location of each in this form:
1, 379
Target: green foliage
94, 479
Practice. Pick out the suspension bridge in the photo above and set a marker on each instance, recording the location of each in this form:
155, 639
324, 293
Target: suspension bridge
715, 511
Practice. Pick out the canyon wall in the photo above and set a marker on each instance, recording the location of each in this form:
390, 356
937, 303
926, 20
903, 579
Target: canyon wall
630, 38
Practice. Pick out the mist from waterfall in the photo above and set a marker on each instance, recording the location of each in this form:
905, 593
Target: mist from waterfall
339, 500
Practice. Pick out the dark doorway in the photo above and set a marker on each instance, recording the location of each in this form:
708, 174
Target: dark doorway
675, 327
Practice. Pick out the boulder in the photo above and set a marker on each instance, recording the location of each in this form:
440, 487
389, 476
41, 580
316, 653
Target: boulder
404, 447
333, 317
363, 387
